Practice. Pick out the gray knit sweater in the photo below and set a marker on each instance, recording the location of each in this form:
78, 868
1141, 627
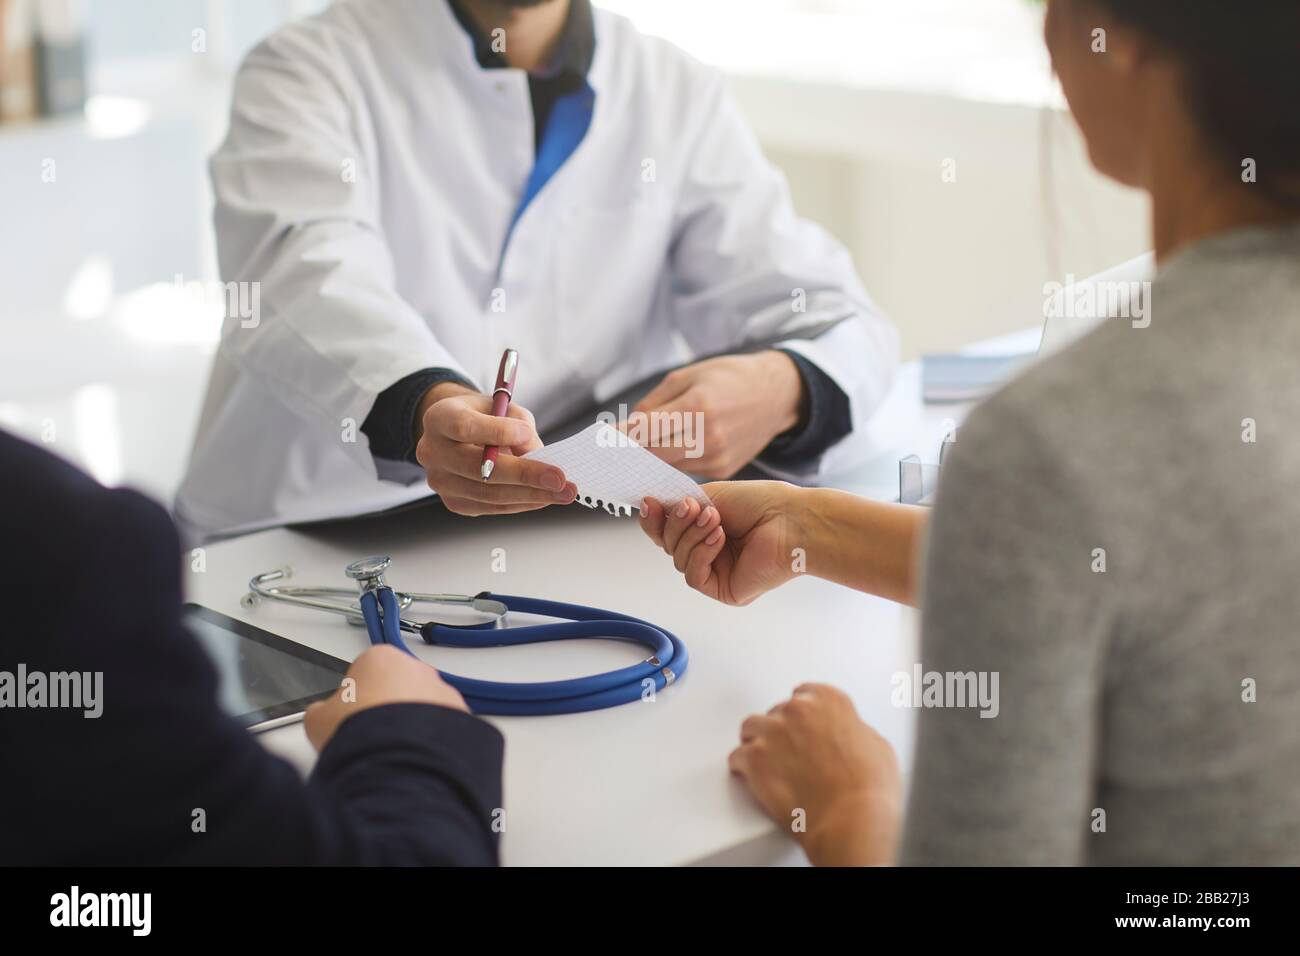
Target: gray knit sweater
1117, 536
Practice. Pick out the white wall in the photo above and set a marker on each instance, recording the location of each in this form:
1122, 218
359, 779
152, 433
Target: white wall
950, 261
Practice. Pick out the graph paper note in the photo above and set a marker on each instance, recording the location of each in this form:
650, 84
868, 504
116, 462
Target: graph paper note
615, 473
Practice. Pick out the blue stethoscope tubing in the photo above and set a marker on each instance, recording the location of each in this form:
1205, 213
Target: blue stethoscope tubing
379, 607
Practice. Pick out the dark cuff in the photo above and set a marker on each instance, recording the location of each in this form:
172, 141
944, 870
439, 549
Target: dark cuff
390, 426
824, 419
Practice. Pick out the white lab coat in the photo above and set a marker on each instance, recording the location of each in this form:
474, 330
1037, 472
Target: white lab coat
367, 183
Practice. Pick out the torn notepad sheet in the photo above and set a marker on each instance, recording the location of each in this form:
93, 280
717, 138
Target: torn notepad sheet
614, 472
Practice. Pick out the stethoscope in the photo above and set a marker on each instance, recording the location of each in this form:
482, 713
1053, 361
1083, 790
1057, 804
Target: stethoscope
380, 608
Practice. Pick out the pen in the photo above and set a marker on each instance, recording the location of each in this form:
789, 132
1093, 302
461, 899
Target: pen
501, 396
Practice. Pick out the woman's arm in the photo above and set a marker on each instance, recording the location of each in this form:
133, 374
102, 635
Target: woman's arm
863, 544
759, 534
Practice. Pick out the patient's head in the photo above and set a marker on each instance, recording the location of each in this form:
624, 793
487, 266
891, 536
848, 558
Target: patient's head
1172, 85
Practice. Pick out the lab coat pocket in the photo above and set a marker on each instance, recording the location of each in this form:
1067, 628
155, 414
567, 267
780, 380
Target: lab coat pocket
610, 264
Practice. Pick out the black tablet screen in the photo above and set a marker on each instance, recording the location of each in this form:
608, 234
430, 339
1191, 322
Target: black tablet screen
262, 676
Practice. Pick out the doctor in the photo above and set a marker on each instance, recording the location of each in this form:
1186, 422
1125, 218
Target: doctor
414, 185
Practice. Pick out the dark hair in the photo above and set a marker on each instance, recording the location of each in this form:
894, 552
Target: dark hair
1242, 64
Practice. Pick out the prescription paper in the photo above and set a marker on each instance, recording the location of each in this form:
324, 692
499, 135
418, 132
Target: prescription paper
614, 472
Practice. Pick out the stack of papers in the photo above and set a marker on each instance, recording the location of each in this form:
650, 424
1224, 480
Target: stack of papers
966, 378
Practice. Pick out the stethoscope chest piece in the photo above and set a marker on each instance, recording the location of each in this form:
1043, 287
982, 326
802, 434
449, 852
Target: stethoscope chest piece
367, 570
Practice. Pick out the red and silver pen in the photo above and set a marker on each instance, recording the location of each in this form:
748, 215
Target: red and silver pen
501, 396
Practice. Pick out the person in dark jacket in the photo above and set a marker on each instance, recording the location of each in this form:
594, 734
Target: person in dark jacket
152, 771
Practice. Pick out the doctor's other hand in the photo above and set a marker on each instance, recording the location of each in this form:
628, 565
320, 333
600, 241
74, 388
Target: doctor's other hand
380, 675
736, 549
741, 403
812, 761
455, 423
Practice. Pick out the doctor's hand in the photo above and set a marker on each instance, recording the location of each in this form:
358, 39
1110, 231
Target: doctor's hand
381, 675
742, 402
811, 760
738, 548
455, 424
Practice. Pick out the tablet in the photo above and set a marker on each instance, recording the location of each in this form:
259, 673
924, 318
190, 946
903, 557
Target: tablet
265, 681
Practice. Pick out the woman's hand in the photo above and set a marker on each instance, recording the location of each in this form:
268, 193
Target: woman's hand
814, 766
735, 550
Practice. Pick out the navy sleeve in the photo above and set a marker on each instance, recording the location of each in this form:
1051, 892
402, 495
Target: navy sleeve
390, 424
414, 762
824, 419
161, 775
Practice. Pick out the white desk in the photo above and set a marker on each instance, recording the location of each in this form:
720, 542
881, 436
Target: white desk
645, 783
